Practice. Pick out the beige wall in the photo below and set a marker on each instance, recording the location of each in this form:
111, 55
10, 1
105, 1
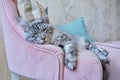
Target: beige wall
102, 17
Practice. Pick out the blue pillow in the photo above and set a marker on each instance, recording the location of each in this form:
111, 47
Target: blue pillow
76, 27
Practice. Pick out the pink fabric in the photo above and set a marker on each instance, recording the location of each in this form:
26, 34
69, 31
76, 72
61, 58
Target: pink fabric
88, 68
114, 54
45, 62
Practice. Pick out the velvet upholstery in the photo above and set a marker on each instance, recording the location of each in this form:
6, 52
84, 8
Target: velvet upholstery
44, 62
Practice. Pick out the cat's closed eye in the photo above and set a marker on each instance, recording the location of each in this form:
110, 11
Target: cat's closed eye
36, 35
44, 29
47, 30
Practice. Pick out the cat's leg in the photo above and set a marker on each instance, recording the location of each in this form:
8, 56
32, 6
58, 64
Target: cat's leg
102, 54
70, 49
70, 55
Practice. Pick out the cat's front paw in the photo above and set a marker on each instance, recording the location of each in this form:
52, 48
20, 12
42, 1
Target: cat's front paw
71, 65
70, 55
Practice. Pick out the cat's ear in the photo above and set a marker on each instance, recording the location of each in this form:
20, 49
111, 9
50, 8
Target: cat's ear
45, 11
22, 23
45, 15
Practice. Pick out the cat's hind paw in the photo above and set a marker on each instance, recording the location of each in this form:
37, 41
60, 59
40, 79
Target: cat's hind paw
103, 56
105, 60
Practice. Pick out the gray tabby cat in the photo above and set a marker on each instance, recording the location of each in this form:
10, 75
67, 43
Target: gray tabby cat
42, 32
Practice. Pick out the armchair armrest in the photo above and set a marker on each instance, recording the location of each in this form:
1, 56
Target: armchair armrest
31, 60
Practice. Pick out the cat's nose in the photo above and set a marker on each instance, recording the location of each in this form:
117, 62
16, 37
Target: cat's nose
43, 38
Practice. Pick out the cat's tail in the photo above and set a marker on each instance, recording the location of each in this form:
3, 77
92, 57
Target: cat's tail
105, 72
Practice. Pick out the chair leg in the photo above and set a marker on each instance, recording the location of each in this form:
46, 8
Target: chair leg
14, 76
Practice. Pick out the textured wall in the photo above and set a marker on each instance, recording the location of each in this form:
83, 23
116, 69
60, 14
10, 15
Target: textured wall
101, 16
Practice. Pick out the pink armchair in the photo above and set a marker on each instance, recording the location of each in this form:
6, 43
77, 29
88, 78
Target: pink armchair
44, 62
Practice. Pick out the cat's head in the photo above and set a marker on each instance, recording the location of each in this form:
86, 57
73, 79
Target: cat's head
38, 31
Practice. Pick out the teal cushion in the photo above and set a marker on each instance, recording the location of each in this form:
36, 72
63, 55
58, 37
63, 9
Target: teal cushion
76, 27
